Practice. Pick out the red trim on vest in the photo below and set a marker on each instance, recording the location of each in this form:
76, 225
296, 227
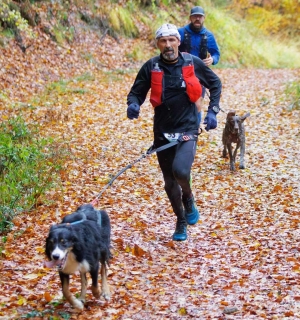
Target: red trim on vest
193, 87
156, 87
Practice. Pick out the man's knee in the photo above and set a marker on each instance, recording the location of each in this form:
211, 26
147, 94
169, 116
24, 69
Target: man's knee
170, 185
182, 174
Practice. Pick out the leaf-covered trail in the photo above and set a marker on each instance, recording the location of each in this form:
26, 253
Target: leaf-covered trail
242, 256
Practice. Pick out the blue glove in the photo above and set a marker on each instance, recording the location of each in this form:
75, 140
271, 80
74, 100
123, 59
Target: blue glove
133, 111
210, 120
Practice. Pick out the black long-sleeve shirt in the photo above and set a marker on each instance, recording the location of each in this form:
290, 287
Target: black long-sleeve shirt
176, 113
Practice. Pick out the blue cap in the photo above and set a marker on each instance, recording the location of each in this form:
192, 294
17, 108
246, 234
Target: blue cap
197, 10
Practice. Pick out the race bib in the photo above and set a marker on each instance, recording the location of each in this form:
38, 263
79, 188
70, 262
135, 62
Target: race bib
172, 136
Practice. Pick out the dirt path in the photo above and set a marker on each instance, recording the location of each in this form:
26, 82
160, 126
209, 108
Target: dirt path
244, 252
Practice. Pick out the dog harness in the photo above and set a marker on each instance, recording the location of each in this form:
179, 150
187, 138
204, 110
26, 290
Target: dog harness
193, 86
99, 220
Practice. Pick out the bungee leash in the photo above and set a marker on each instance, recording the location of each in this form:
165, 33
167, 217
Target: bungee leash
181, 138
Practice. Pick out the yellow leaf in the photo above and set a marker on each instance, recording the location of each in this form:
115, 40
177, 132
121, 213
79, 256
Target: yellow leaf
129, 285
182, 311
21, 301
6, 253
296, 269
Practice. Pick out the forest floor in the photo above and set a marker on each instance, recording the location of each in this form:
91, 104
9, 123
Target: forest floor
241, 260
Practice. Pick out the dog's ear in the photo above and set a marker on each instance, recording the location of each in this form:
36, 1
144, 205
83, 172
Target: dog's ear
47, 249
230, 114
74, 239
53, 227
245, 116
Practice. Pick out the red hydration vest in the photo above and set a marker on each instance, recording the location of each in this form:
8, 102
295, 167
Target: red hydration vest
193, 86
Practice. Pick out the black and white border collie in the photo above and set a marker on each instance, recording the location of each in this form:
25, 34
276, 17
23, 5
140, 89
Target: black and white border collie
81, 242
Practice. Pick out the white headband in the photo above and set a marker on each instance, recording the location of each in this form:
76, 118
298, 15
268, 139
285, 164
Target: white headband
167, 30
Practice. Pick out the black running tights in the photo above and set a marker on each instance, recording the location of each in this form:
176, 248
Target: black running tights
175, 163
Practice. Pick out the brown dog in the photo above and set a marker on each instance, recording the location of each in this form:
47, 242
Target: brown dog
234, 132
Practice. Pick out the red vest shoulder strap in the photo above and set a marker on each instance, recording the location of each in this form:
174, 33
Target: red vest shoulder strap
193, 86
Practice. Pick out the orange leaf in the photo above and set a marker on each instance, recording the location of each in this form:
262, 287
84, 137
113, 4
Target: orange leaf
47, 296
170, 244
138, 251
277, 188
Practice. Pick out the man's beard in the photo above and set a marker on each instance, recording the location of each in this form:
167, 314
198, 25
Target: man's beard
169, 55
196, 28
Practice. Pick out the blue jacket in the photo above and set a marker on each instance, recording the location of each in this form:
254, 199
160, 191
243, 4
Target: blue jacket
196, 38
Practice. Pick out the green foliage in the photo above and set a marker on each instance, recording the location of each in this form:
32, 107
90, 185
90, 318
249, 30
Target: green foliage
64, 86
292, 92
137, 53
222, 3
62, 33
50, 314
121, 21
243, 42
11, 17
29, 166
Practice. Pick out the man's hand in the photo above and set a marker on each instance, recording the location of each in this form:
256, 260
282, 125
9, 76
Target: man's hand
133, 111
210, 120
208, 61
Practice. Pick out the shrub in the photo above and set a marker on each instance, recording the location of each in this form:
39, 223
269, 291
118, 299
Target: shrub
11, 17
292, 92
29, 166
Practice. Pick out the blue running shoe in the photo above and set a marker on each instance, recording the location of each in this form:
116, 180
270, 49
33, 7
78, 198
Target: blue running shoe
191, 211
180, 233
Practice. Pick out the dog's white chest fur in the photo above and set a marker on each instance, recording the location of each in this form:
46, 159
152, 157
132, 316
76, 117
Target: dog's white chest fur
81, 232
72, 265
